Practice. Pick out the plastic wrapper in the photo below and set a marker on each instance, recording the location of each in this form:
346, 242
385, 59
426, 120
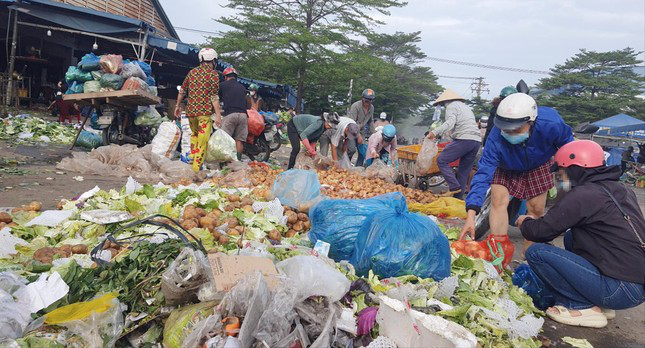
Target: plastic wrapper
202, 331
153, 90
113, 81
270, 117
256, 122
128, 160
338, 221
183, 321
426, 156
89, 140
297, 188
91, 86
394, 242
14, 316
151, 81
74, 88
99, 322
319, 320
97, 74
314, 277
132, 69
380, 170
276, 321
111, 63
525, 278
318, 162
144, 66
344, 161
148, 116
135, 83
181, 281
221, 147
75, 74
165, 142
89, 62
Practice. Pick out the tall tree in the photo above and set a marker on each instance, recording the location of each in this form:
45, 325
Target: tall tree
479, 105
594, 85
300, 32
400, 48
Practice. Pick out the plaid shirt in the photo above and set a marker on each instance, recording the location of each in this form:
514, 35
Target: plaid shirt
200, 85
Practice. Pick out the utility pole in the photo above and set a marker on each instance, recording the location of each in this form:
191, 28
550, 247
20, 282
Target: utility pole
12, 59
479, 86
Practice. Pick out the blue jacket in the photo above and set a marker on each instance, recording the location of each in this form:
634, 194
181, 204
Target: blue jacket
548, 134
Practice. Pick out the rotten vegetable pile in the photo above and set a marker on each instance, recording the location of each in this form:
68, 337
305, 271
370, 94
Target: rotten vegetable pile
227, 263
27, 128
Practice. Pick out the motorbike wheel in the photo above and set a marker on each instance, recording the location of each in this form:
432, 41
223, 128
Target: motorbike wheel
482, 222
259, 151
435, 180
276, 142
109, 135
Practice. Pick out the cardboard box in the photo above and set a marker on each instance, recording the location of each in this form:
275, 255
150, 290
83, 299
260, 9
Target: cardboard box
228, 269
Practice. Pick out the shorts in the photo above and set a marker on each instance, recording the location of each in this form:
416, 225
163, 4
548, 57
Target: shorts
236, 124
526, 185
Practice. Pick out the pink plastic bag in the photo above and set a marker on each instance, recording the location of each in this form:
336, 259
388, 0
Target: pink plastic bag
111, 63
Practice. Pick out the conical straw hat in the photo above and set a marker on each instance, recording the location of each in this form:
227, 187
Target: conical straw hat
448, 94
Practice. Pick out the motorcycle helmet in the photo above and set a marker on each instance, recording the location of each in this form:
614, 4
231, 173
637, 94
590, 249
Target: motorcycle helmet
369, 94
581, 153
207, 54
229, 71
388, 132
514, 111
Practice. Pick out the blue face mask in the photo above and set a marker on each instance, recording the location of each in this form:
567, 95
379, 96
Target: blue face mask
515, 139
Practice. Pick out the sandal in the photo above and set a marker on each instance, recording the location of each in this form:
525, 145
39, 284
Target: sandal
609, 313
588, 317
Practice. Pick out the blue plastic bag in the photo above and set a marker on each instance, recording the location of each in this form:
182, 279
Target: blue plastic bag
89, 140
337, 221
145, 67
362, 150
525, 278
270, 117
89, 62
74, 88
395, 242
151, 81
75, 74
297, 188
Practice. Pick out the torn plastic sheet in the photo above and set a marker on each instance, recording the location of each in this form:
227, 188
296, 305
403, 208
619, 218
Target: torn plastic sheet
51, 218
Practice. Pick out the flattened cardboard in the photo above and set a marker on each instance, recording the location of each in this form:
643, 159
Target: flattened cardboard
228, 269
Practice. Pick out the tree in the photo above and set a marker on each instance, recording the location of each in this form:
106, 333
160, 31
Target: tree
300, 33
479, 106
400, 48
594, 85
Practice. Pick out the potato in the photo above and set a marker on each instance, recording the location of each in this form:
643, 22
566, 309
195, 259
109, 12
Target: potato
233, 198
61, 204
290, 233
233, 232
303, 217
240, 228
79, 249
66, 248
248, 208
246, 201
34, 206
298, 226
44, 255
232, 223
5, 217
292, 217
275, 235
306, 225
240, 243
190, 224
114, 252
216, 213
2, 225
224, 239
190, 212
207, 222
200, 212
17, 210
229, 208
64, 252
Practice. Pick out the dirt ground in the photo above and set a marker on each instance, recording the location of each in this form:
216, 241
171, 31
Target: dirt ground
45, 183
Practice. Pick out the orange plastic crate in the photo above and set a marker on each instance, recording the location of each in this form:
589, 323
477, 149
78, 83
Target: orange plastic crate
410, 152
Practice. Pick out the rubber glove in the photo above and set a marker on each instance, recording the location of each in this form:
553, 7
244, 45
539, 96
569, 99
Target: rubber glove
310, 149
396, 164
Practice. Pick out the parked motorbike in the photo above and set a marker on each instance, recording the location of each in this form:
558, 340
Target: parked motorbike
119, 128
258, 147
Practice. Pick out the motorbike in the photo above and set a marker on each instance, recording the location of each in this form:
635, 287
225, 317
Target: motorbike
118, 128
258, 147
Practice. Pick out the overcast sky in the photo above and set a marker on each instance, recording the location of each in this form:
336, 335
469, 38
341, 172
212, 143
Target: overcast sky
529, 34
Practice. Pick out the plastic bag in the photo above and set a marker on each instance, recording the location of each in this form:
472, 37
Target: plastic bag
97, 74
203, 330
314, 277
111, 63
144, 66
256, 122
304, 161
75, 74
89, 62
182, 279
133, 70
275, 323
99, 322
89, 140
344, 162
380, 170
91, 87
113, 81
221, 147
148, 116
338, 221
394, 242
426, 156
153, 90
151, 81
185, 138
165, 142
443, 207
270, 117
183, 321
135, 83
297, 188
74, 88
14, 316
525, 278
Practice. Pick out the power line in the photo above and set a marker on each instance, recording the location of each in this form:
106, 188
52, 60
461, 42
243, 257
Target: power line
456, 77
477, 65
478, 87
197, 31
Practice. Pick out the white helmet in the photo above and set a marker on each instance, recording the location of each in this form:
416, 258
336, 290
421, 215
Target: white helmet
207, 55
383, 116
515, 110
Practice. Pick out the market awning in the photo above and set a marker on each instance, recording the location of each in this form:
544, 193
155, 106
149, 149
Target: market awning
620, 123
79, 18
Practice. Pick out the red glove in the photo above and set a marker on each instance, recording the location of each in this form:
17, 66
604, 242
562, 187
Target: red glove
309, 147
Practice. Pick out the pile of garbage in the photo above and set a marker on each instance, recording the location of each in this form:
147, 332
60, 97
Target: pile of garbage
27, 128
213, 265
109, 72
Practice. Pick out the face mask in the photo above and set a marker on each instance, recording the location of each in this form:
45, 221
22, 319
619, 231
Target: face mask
252, 93
564, 185
515, 139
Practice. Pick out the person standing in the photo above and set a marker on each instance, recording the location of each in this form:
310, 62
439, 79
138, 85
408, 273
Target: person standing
255, 102
461, 123
307, 129
505, 92
626, 158
362, 112
233, 95
201, 86
381, 122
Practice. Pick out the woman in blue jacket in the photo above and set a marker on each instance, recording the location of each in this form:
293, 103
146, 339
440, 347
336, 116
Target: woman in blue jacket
516, 162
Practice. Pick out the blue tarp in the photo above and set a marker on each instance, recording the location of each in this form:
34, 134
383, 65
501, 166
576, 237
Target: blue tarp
620, 123
172, 45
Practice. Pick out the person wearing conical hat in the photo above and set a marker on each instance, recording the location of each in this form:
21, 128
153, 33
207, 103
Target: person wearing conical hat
461, 123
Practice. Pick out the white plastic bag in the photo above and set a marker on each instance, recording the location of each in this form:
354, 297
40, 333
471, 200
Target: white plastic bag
147, 116
426, 156
221, 147
344, 162
165, 142
185, 135
314, 277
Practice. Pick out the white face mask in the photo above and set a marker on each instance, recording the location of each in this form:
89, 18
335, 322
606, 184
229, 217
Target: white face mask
252, 93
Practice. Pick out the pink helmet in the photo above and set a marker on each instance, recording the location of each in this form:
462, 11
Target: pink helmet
582, 153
